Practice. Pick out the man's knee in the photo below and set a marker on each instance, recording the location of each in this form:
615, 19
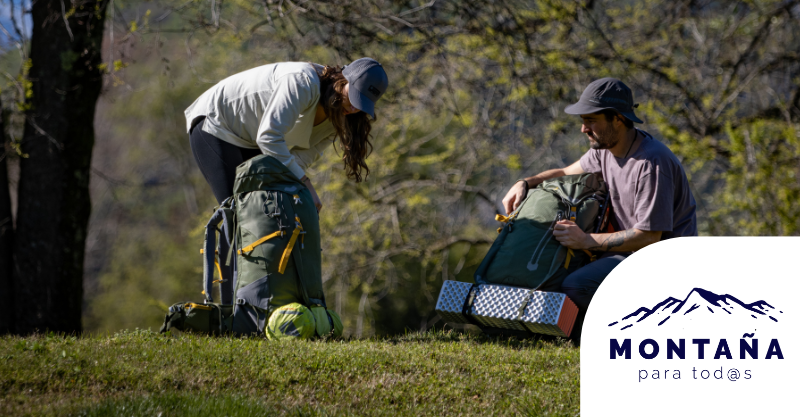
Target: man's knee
581, 285
579, 292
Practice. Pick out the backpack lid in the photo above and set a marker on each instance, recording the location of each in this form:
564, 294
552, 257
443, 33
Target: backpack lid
575, 188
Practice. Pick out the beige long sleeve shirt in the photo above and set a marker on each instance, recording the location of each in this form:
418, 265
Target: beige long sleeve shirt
271, 108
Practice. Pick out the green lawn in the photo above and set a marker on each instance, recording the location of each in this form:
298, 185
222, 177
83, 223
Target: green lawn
141, 373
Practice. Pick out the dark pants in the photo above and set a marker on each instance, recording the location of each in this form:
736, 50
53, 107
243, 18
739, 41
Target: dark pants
581, 285
217, 160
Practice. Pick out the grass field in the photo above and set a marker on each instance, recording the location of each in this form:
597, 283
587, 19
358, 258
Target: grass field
141, 373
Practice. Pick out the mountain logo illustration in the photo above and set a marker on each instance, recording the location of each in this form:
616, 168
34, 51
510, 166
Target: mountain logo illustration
699, 303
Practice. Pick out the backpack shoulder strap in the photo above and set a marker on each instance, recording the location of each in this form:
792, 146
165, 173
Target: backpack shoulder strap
211, 255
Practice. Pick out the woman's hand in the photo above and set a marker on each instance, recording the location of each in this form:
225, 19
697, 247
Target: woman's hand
314, 196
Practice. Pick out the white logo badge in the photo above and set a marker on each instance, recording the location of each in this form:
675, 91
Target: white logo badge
695, 326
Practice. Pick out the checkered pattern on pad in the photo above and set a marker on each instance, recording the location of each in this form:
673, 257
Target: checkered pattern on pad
498, 306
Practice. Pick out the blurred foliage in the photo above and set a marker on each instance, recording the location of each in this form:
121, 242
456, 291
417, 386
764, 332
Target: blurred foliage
477, 91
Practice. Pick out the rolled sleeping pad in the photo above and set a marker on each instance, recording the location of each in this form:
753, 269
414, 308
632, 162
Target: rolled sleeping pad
507, 307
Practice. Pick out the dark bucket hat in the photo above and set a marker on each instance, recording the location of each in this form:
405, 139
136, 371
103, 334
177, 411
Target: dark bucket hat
368, 82
605, 93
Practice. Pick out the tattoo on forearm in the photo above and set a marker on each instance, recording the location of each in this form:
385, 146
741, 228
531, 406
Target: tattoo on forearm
614, 240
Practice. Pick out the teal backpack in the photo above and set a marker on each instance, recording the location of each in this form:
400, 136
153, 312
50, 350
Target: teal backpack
526, 254
268, 253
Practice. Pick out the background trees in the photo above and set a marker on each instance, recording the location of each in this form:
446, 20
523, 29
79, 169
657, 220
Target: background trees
476, 101
61, 80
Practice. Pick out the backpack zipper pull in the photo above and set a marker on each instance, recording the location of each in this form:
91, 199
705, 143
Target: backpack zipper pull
302, 233
297, 199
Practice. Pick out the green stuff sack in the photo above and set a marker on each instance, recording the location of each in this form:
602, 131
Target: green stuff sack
526, 254
338, 328
324, 323
329, 324
293, 321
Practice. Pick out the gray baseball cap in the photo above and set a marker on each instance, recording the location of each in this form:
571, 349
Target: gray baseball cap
367, 81
605, 93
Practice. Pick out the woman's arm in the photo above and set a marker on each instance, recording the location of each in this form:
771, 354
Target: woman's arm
314, 196
306, 157
292, 95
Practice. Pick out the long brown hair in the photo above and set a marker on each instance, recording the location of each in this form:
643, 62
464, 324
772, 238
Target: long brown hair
352, 130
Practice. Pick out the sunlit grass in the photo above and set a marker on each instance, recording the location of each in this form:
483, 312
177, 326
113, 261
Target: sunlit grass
141, 373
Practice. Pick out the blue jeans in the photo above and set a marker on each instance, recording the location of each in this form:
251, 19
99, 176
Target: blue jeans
581, 285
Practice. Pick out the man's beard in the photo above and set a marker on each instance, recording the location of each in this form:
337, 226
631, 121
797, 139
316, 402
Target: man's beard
606, 139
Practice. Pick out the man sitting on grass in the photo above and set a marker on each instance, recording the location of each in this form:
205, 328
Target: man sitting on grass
650, 195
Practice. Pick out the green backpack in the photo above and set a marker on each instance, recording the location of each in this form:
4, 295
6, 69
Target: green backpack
271, 226
526, 254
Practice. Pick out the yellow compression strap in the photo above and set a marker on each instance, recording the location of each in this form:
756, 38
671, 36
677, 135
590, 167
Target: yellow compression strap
219, 270
501, 218
288, 251
197, 306
570, 254
216, 262
504, 219
249, 248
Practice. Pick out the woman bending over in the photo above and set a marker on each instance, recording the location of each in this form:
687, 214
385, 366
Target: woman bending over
291, 111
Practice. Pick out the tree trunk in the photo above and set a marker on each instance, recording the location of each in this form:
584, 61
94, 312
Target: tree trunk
53, 209
6, 238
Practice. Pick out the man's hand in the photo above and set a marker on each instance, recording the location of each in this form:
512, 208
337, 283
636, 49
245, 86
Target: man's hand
514, 197
570, 235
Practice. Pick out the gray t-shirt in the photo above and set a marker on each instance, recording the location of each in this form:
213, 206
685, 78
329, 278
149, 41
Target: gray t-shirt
649, 190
